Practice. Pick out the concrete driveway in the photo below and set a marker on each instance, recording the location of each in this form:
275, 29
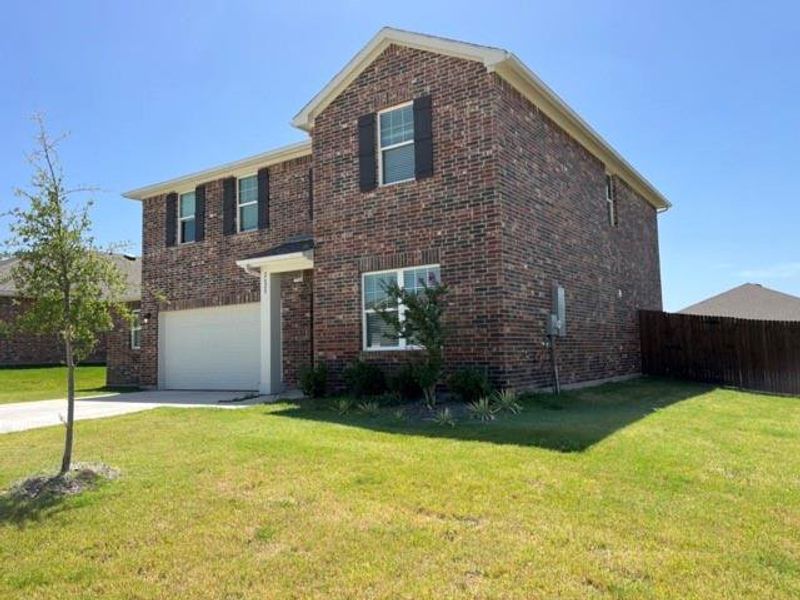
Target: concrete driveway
30, 415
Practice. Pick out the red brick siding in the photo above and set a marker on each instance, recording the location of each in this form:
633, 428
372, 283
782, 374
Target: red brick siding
124, 362
452, 216
21, 348
556, 227
205, 273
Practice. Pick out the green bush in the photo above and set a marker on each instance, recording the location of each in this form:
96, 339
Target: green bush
364, 379
404, 383
314, 381
469, 384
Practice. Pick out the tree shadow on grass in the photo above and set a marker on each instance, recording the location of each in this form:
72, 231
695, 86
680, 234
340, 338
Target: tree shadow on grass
42, 496
571, 422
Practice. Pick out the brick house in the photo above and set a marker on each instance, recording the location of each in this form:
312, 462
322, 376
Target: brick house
427, 159
19, 349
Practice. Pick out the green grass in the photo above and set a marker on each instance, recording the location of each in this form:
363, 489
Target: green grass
646, 489
22, 384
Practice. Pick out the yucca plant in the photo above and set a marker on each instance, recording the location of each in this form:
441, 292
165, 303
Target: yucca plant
400, 414
343, 405
506, 401
444, 417
370, 408
482, 409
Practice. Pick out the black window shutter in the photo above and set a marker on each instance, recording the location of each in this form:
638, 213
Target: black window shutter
366, 153
423, 137
199, 213
229, 206
172, 218
263, 198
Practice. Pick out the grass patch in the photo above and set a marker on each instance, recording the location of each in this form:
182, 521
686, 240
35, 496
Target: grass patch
645, 489
23, 384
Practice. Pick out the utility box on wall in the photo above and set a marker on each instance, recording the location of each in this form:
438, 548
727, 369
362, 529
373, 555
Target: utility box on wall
557, 325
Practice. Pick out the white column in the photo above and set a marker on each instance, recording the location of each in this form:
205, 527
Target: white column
271, 379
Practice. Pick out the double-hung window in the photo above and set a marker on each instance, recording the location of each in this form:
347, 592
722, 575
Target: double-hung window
611, 201
377, 334
247, 203
186, 218
396, 144
136, 330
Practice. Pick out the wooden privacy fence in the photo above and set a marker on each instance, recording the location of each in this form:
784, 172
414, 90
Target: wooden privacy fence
744, 353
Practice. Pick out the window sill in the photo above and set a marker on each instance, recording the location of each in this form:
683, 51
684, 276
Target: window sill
393, 183
392, 349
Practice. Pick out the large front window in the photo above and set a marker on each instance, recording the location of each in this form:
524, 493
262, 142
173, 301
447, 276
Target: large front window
248, 203
377, 334
186, 220
396, 144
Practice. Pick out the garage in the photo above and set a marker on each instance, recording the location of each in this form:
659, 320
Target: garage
210, 348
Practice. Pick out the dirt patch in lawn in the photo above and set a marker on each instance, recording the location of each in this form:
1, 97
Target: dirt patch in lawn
81, 478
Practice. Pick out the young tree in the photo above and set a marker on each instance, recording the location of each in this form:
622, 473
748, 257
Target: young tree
72, 286
422, 325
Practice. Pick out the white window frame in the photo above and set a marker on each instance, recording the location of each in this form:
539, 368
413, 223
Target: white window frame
401, 309
391, 146
239, 206
136, 329
182, 219
611, 201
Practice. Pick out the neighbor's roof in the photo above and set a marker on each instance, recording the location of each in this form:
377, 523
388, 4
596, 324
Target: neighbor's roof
502, 62
749, 301
130, 266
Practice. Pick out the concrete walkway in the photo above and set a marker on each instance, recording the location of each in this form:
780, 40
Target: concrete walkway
30, 415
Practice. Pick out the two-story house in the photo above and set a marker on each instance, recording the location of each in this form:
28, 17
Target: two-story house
427, 160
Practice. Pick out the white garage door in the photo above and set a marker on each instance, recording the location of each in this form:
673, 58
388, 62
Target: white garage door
210, 348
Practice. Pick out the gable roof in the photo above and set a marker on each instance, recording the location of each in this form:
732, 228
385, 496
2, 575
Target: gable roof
507, 66
749, 301
130, 266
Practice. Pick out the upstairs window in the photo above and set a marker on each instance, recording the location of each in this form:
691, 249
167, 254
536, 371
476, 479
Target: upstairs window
377, 334
136, 330
611, 201
247, 204
396, 144
186, 218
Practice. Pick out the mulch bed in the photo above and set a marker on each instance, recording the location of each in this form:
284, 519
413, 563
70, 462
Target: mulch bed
82, 477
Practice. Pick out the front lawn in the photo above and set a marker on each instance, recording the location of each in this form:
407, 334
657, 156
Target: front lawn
647, 489
21, 384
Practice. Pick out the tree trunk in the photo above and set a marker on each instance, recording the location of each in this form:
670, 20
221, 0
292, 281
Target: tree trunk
66, 462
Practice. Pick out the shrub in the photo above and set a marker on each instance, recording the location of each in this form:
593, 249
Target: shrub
506, 401
314, 381
364, 379
444, 417
469, 384
404, 383
422, 322
370, 408
482, 409
389, 399
343, 406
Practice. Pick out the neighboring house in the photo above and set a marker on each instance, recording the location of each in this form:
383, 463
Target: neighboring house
749, 301
428, 159
19, 348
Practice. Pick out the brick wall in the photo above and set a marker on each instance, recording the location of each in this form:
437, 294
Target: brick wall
21, 348
124, 362
556, 228
205, 273
451, 218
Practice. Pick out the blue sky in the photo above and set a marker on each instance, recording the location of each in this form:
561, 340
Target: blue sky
702, 97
